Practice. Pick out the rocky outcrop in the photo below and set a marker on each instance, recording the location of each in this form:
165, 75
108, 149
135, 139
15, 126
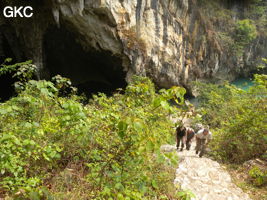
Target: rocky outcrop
171, 41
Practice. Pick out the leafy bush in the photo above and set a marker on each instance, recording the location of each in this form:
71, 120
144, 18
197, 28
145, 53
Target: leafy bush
258, 176
109, 148
64, 86
186, 195
22, 72
238, 118
245, 31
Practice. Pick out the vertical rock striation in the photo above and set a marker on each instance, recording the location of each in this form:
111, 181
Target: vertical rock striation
171, 41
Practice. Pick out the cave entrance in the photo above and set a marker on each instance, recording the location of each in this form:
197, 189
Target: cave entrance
8, 49
91, 71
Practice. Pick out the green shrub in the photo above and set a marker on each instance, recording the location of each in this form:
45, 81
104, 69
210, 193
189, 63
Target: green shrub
245, 33
238, 118
258, 176
186, 195
115, 141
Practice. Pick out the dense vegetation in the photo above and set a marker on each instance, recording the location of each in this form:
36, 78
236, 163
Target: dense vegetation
234, 28
238, 118
239, 123
55, 147
52, 146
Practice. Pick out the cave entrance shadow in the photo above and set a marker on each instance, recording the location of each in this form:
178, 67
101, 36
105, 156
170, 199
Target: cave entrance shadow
9, 48
91, 71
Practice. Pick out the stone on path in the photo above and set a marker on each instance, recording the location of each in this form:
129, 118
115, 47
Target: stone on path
205, 178
167, 148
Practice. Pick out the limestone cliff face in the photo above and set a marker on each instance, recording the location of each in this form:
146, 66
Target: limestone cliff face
170, 41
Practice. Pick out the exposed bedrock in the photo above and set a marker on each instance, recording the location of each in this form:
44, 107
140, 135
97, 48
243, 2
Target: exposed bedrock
108, 41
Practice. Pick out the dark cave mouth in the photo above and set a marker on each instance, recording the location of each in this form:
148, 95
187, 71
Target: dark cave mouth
91, 71
7, 81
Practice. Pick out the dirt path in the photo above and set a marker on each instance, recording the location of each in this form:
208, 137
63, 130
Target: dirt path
205, 178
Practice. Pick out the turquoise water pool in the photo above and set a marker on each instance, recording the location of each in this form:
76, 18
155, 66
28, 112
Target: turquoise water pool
243, 83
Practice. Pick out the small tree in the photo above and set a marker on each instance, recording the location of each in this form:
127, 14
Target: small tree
245, 31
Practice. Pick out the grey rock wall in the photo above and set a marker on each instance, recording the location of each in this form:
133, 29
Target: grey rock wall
170, 41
